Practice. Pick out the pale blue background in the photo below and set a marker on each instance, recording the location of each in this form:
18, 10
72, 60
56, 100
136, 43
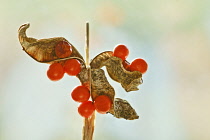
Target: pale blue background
172, 35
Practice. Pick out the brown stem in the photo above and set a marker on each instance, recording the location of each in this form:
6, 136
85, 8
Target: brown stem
87, 45
88, 127
89, 123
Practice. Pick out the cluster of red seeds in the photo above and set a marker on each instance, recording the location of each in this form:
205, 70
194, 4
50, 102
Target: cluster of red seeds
81, 94
56, 70
101, 104
138, 64
72, 66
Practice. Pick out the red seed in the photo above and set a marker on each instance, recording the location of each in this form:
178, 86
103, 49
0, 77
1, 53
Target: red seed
121, 51
139, 65
63, 49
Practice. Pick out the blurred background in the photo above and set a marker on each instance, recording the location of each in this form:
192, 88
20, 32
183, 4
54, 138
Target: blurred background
173, 36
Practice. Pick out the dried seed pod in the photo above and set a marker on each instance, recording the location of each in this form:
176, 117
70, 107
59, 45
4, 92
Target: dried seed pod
43, 50
129, 80
99, 60
122, 109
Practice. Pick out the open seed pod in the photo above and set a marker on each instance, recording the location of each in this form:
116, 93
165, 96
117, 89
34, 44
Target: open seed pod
129, 80
43, 50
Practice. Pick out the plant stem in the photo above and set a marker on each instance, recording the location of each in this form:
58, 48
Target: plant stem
88, 127
89, 123
87, 45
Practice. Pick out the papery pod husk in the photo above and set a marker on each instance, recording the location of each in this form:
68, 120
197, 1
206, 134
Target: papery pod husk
129, 80
43, 50
122, 109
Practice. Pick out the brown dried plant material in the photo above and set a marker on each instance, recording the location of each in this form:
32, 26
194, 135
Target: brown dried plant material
129, 80
100, 86
43, 50
122, 109
88, 128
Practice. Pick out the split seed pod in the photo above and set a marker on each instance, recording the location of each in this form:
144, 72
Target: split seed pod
43, 50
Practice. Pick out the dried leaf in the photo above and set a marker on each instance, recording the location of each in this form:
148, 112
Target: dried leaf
122, 109
43, 50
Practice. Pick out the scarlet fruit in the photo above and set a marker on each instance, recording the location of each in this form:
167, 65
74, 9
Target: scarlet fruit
121, 51
80, 94
55, 72
102, 104
63, 49
86, 109
139, 65
72, 67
